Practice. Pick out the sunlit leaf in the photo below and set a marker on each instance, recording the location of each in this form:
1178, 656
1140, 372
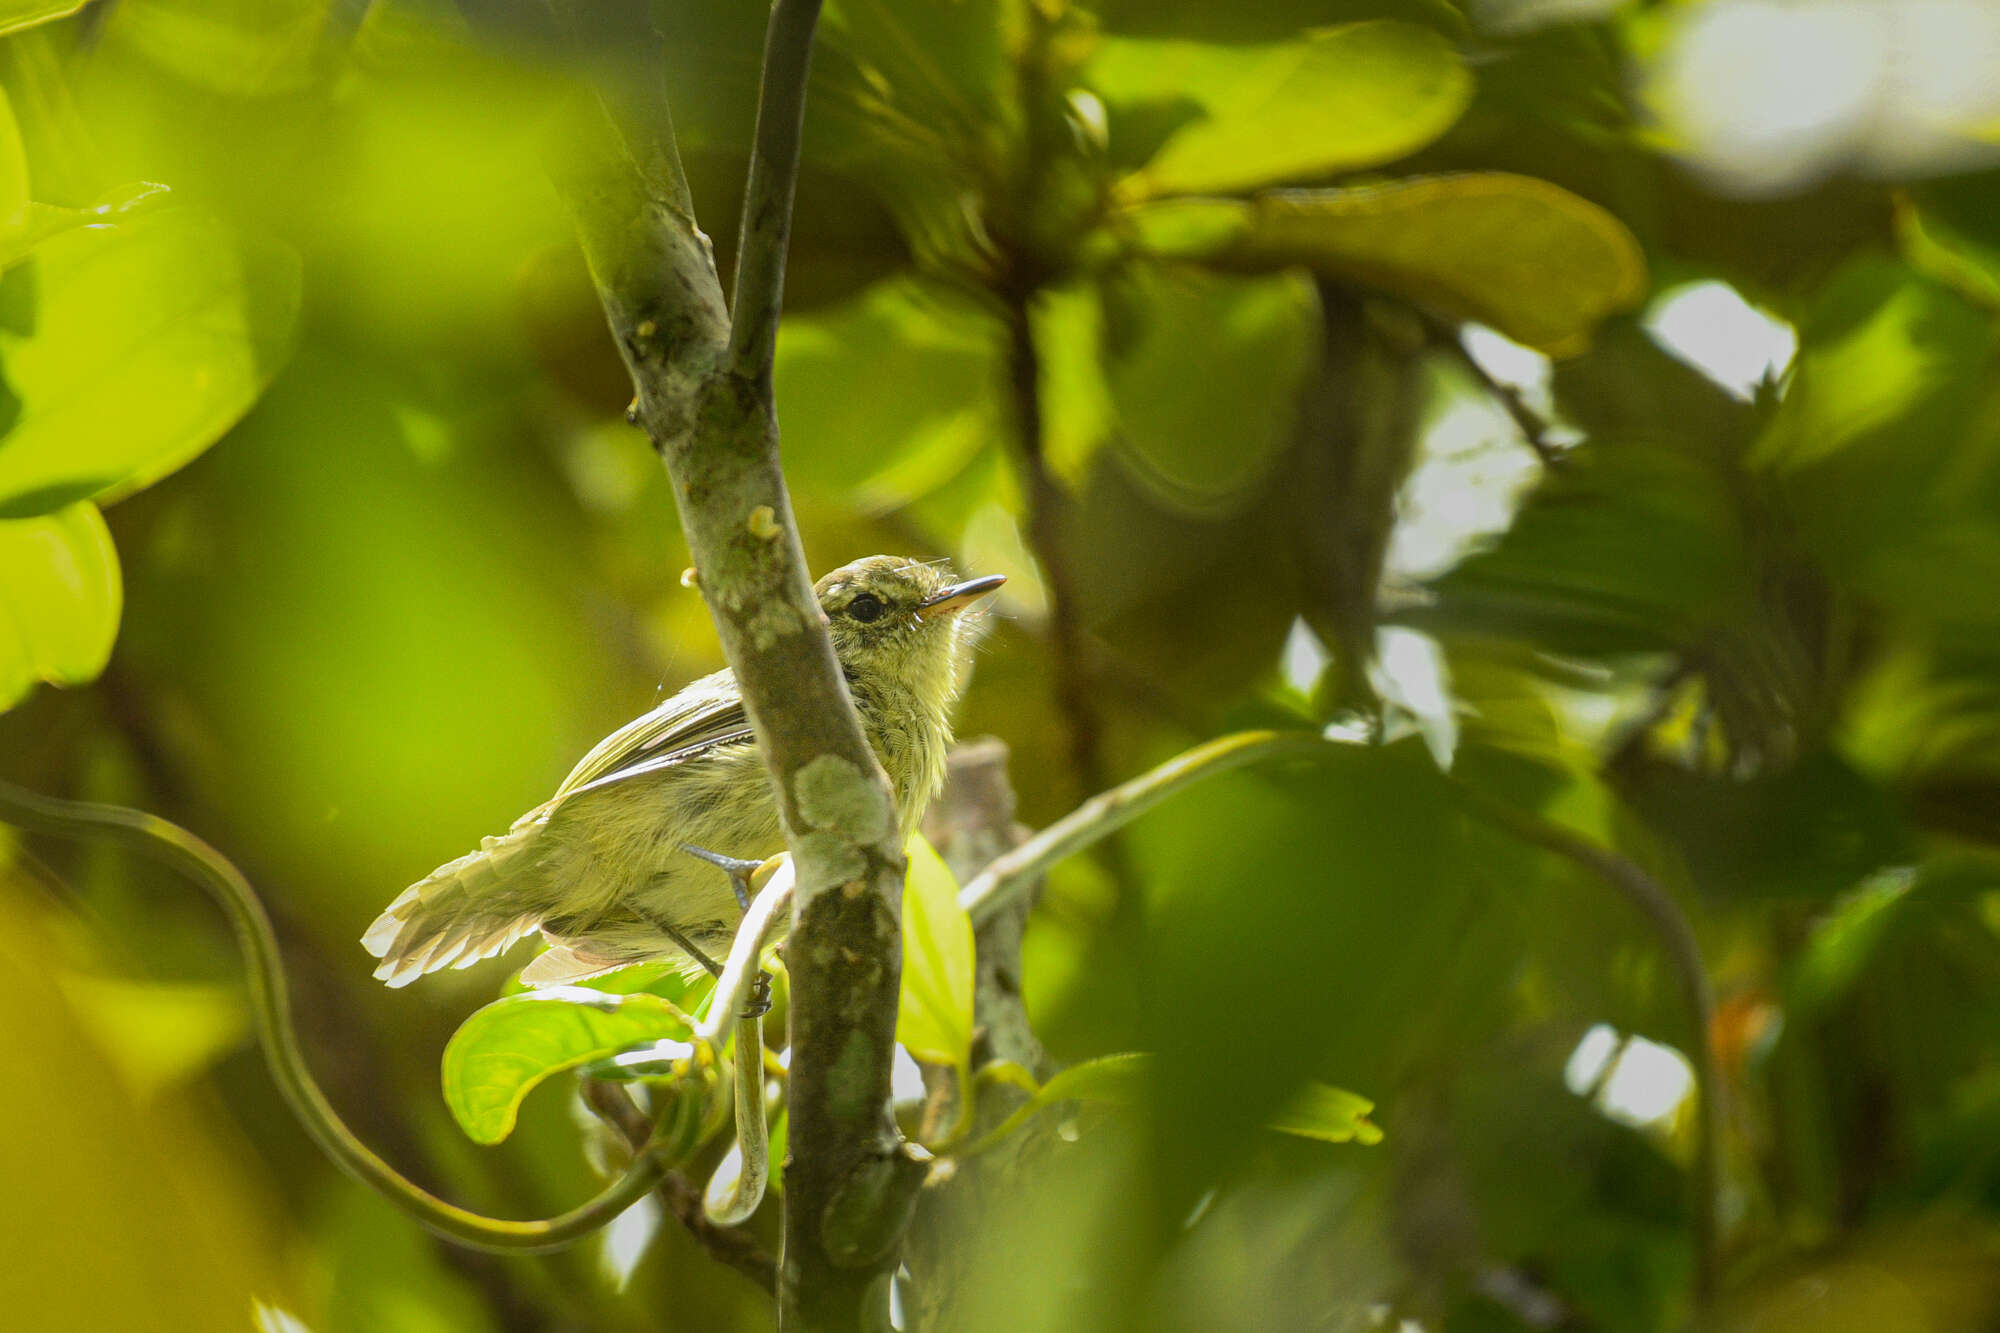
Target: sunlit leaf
1333, 100
1320, 1111
1206, 383
36, 223
148, 340
1330, 1114
1880, 346
1116, 1080
18, 14
934, 1013
882, 393
503, 1051
242, 47
1844, 940
60, 596
1078, 414
13, 169
1529, 258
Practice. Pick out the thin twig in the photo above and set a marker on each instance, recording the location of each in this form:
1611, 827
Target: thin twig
1046, 504
678, 1195
1533, 426
1109, 811
270, 1007
765, 232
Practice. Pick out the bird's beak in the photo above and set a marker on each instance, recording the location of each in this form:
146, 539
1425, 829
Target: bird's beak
952, 600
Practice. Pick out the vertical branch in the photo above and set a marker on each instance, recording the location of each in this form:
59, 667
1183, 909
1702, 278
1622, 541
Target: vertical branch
764, 233
704, 398
1046, 539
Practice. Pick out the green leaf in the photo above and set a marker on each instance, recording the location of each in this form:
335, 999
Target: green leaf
1531, 259
1320, 1111
934, 1013
60, 596
1329, 1114
35, 223
1078, 414
147, 341
1333, 100
18, 14
13, 167
498, 1055
1632, 547
1115, 1080
882, 394
1207, 387
245, 48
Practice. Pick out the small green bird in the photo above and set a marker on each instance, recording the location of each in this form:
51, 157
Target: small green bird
600, 868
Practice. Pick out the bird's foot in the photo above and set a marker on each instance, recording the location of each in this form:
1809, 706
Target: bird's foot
738, 870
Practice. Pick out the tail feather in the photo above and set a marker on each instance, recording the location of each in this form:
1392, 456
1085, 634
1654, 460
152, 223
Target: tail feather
460, 913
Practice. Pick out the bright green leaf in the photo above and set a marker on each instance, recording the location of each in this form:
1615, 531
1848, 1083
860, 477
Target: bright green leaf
1880, 349
1116, 1080
934, 1014
1333, 100
150, 339
498, 1055
1078, 415
1330, 1114
248, 48
35, 223
18, 14
60, 596
882, 393
1844, 941
13, 168
1207, 387
1529, 258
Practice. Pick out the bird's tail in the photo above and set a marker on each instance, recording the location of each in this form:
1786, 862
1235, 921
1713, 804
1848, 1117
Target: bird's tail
459, 913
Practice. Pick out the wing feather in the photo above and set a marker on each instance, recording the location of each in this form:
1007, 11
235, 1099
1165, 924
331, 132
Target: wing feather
707, 714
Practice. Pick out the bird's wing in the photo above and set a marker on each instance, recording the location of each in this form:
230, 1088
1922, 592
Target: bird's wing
706, 714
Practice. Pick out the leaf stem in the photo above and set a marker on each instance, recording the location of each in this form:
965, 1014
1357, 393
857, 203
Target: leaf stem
1109, 811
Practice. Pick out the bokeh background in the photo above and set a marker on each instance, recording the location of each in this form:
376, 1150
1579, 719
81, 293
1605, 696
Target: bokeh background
1659, 494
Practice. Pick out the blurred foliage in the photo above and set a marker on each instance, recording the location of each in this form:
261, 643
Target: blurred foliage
282, 283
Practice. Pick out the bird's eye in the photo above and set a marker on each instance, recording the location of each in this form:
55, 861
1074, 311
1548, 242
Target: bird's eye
865, 608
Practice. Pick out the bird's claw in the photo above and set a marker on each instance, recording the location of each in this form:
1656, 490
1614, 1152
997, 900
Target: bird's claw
738, 870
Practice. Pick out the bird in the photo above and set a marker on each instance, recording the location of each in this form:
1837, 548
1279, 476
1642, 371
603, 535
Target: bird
602, 869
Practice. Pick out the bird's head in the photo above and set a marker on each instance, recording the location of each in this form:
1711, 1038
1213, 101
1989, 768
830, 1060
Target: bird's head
898, 620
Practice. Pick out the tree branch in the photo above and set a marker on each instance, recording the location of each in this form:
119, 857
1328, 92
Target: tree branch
736, 1248
704, 400
270, 1008
1046, 540
764, 234
1534, 429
